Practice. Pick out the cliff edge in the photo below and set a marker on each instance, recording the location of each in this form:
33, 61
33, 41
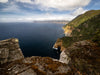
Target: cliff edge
13, 62
81, 44
68, 28
80, 52
10, 50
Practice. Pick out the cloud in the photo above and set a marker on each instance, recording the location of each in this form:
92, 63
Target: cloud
57, 4
10, 18
79, 11
59, 10
11, 7
31, 18
61, 4
3, 1
47, 5
25, 1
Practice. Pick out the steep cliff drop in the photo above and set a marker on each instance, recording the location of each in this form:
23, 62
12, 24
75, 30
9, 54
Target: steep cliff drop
81, 44
10, 50
58, 45
13, 62
80, 52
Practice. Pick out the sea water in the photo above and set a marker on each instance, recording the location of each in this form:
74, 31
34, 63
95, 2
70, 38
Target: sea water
35, 39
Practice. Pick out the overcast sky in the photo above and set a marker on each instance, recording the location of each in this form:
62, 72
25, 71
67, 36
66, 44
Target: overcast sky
29, 10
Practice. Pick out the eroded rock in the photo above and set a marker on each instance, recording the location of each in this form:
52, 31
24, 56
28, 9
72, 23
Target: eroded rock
10, 50
84, 58
58, 45
14, 63
34, 65
64, 57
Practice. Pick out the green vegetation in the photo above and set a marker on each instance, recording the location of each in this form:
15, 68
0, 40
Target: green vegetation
86, 27
85, 58
67, 41
82, 18
90, 29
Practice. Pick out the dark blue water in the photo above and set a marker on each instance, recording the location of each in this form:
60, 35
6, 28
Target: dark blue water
36, 39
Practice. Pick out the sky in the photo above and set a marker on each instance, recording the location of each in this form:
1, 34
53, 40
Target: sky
30, 10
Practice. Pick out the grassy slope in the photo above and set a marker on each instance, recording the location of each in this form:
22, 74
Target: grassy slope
85, 59
82, 18
89, 29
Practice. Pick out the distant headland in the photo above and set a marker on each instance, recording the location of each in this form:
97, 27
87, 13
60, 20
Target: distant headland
52, 21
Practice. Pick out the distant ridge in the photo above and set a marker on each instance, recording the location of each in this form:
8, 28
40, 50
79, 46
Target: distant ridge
52, 21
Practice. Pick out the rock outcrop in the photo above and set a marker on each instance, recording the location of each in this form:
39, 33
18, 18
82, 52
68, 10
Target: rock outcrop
82, 44
84, 58
58, 45
80, 54
34, 65
10, 50
68, 30
64, 57
12, 62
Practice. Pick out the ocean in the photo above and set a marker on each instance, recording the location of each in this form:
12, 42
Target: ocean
35, 39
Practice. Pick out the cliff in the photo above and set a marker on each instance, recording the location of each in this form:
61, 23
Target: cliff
80, 52
75, 31
82, 44
79, 20
83, 58
10, 51
13, 62
58, 45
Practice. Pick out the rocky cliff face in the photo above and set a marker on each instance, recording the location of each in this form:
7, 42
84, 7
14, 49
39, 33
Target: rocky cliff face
68, 30
82, 44
84, 58
10, 50
34, 65
58, 45
64, 58
12, 62
80, 54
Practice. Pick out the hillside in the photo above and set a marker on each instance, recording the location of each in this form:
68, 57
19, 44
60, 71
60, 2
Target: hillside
80, 52
82, 46
79, 20
90, 29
